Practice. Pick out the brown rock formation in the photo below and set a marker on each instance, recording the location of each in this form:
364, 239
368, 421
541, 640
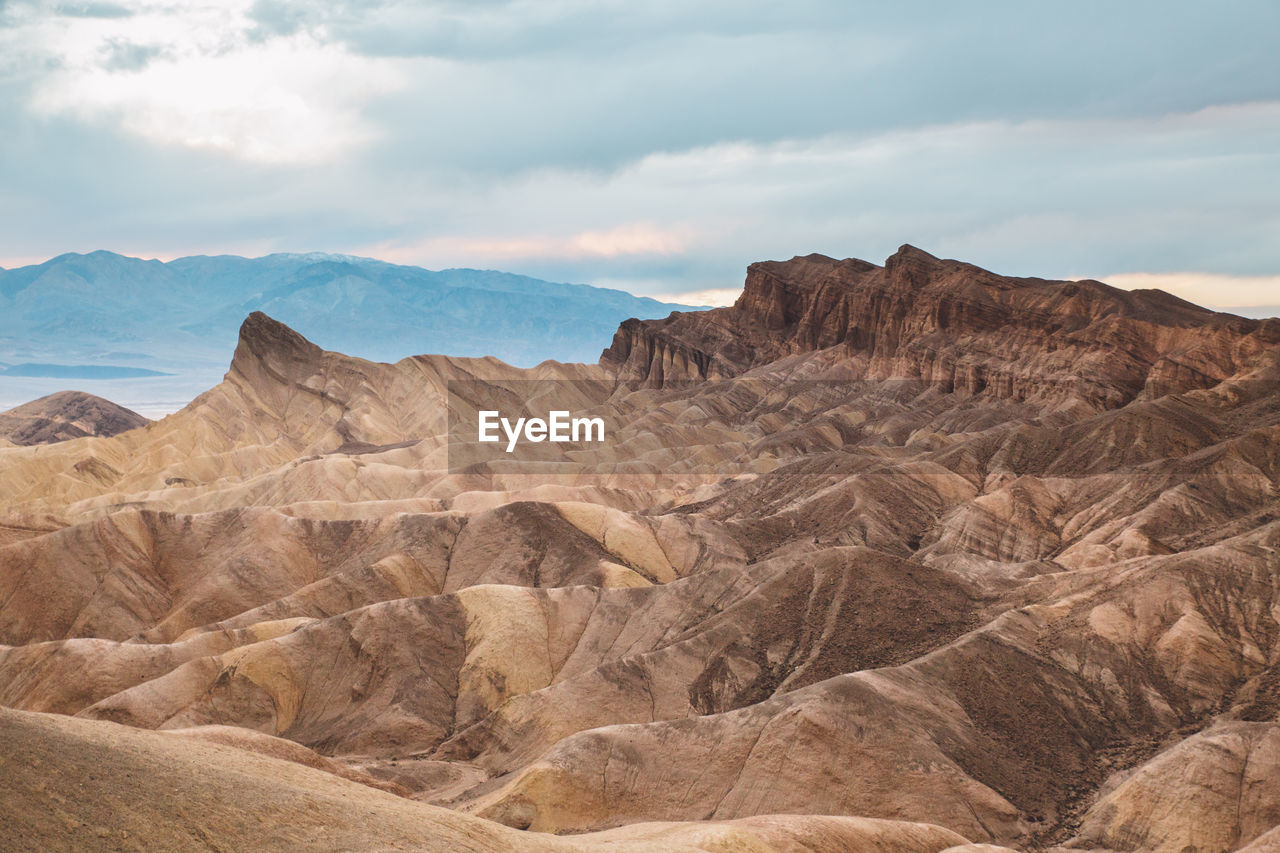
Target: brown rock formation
66, 415
947, 322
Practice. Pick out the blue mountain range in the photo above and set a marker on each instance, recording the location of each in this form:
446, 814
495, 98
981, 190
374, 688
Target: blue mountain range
180, 318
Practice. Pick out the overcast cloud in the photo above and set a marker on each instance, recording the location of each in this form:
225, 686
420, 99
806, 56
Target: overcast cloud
656, 146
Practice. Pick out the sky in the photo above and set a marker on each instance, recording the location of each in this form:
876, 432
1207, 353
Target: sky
657, 146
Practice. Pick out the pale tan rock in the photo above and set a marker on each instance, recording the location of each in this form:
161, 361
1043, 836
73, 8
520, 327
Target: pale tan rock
1216, 790
88, 786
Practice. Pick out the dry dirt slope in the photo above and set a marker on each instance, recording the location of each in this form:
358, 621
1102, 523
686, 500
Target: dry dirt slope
909, 542
74, 785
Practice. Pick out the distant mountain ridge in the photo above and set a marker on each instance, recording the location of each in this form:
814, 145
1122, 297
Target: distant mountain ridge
105, 310
374, 308
77, 371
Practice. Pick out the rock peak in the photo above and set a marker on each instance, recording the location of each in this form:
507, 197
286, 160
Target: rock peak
266, 343
909, 252
261, 332
914, 267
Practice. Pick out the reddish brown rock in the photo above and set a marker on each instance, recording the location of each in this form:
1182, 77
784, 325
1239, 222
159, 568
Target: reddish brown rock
952, 324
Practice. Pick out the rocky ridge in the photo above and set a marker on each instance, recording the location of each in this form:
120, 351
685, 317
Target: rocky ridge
953, 324
914, 543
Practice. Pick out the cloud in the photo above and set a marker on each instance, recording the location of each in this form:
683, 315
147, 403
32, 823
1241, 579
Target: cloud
632, 239
1214, 290
660, 146
125, 55
189, 75
715, 297
93, 10
505, 86
1034, 198
518, 29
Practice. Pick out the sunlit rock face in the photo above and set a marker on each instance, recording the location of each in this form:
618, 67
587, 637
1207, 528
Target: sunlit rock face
898, 557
